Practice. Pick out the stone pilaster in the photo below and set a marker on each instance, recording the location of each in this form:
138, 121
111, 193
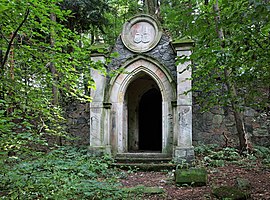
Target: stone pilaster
99, 138
184, 149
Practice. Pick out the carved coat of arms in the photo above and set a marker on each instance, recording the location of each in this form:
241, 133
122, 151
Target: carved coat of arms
142, 36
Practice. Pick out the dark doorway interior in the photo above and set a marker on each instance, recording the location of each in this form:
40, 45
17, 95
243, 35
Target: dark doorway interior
150, 121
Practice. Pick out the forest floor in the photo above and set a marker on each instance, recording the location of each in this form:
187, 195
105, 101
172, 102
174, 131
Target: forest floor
71, 173
257, 176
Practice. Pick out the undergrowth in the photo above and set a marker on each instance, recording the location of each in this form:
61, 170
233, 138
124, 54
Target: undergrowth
213, 156
64, 173
70, 173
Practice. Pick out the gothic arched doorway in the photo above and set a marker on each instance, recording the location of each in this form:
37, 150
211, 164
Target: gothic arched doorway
150, 121
144, 106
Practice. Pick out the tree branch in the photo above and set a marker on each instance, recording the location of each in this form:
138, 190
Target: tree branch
13, 37
3, 36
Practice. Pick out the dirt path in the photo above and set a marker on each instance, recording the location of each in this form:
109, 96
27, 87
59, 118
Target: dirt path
258, 177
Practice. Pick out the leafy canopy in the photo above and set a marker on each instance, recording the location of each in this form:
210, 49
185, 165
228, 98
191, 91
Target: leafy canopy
26, 82
244, 52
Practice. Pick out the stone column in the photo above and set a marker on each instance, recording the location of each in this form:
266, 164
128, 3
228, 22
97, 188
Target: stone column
184, 149
99, 138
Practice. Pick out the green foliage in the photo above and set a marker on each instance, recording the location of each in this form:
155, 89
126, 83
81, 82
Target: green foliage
30, 42
244, 52
212, 156
85, 15
64, 173
120, 11
230, 56
205, 149
264, 154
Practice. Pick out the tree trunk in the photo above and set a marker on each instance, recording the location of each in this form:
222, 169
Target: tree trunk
152, 8
4, 56
11, 74
53, 70
11, 56
238, 117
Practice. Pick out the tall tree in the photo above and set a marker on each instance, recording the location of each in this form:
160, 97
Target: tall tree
230, 57
153, 8
87, 16
231, 88
36, 39
120, 11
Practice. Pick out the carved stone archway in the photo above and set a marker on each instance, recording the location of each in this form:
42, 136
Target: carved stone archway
118, 88
144, 104
143, 50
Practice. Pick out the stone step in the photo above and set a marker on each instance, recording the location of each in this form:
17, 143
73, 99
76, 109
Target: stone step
142, 155
147, 161
145, 166
143, 158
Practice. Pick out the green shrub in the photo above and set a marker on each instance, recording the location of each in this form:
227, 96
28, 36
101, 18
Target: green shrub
211, 155
264, 154
65, 173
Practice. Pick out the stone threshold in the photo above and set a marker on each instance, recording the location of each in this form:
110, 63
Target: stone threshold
145, 166
146, 161
143, 155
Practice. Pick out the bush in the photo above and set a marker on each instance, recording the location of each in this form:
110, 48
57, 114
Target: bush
263, 153
212, 156
65, 173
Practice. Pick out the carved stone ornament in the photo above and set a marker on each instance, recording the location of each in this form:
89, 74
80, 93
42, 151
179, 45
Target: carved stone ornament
141, 33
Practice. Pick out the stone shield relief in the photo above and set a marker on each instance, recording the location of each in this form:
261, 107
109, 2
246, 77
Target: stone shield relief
141, 34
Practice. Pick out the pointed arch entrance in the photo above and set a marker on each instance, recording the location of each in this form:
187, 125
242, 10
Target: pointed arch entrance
150, 121
144, 106
141, 108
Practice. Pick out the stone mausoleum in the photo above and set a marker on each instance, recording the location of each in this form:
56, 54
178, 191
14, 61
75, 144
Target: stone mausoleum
145, 108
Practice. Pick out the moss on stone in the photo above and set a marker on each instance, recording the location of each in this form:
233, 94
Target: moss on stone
243, 184
183, 41
229, 193
141, 189
192, 176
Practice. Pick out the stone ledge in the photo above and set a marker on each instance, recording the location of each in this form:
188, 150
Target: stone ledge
183, 44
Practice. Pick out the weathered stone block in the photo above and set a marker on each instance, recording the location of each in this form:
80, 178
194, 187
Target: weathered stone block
192, 176
183, 154
242, 184
141, 189
228, 192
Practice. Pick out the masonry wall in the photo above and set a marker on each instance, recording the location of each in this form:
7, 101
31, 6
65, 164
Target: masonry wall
78, 123
215, 126
211, 127
208, 127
